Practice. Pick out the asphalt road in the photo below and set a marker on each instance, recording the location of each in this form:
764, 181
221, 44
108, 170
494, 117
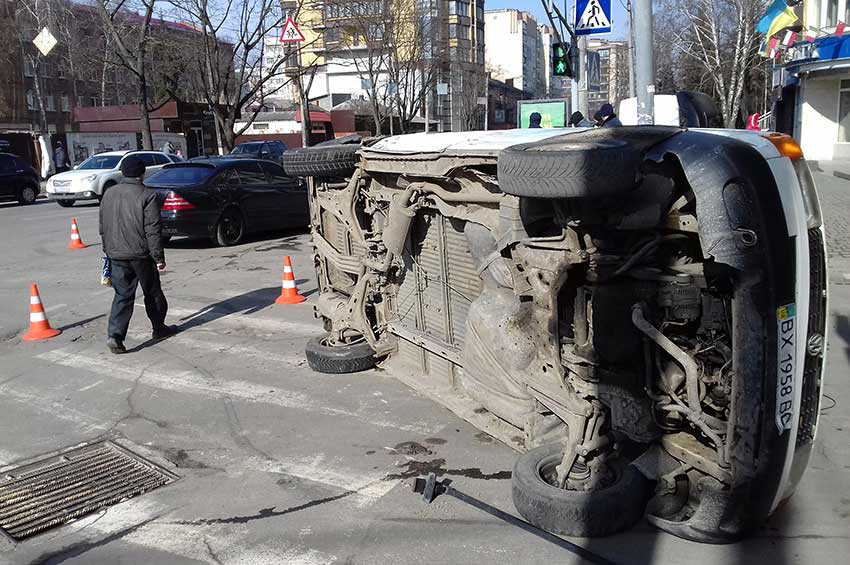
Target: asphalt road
278, 464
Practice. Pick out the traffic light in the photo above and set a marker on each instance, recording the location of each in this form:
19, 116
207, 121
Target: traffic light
561, 63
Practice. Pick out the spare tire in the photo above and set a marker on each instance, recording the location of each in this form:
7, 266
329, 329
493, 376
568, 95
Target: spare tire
338, 359
571, 512
587, 164
330, 161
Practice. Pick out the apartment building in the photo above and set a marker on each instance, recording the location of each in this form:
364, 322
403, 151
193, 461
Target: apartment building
517, 54
613, 73
554, 86
40, 93
357, 47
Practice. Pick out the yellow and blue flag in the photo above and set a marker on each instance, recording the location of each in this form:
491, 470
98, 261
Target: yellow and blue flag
777, 17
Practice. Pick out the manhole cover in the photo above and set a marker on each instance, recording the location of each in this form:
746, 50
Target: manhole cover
52, 491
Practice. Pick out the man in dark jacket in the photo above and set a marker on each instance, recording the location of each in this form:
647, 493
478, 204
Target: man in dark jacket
577, 120
534, 120
606, 117
131, 235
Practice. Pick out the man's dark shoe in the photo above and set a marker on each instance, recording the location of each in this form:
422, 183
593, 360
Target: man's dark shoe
115, 345
164, 332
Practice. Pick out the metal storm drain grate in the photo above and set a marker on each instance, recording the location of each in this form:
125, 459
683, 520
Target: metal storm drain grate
50, 492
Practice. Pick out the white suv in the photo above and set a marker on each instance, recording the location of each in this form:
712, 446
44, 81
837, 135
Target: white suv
90, 179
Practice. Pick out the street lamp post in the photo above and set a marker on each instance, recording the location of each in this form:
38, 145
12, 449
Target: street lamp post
644, 67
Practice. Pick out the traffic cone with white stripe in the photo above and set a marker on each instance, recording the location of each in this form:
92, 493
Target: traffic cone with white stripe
76, 241
39, 326
289, 292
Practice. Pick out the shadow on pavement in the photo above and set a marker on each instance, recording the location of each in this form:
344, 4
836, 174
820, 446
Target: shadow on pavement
842, 329
243, 304
82, 322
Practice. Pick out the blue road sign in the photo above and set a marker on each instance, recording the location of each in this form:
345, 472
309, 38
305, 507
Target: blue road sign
593, 16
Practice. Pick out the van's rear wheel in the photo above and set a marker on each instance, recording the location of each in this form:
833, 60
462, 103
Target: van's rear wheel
325, 357
576, 513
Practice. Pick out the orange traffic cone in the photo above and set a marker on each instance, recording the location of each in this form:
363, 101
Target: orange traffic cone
39, 326
289, 292
76, 241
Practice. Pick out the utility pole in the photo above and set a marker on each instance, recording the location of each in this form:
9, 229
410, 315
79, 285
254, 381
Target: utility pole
644, 65
582, 76
631, 47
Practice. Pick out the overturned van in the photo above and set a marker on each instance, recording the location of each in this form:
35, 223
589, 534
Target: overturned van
639, 311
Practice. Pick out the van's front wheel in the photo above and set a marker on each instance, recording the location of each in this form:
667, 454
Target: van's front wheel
571, 512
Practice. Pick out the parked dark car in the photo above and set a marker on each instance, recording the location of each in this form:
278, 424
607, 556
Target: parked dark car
18, 180
271, 150
224, 199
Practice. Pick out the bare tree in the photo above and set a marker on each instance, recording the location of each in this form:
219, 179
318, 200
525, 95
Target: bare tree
32, 16
469, 84
362, 33
130, 34
413, 61
8, 71
720, 36
229, 60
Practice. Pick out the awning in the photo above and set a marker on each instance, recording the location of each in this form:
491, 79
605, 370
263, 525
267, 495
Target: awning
315, 116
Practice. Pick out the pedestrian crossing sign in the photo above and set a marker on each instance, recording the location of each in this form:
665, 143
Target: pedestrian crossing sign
291, 33
593, 16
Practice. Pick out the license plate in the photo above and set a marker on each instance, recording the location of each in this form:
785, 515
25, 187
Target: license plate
786, 322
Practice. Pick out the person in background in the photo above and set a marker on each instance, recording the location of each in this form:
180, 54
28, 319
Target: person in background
606, 117
753, 122
132, 240
534, 120
577, 120
60, 158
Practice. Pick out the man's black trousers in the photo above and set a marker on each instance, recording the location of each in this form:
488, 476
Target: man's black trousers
126, 276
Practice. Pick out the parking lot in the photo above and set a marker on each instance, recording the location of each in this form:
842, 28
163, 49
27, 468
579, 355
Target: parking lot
278, 464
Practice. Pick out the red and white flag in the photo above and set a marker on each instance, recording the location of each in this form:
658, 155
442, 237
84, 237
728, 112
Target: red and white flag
790, 38
771, 45
839, 29
811, 34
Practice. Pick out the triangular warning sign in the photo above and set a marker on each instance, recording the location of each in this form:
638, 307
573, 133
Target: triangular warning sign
593, 17
291, 33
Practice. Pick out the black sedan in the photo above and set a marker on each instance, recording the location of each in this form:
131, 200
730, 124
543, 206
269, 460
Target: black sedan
18, 180
224, 199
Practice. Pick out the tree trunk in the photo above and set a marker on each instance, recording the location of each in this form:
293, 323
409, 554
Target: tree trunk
38, 95
304, 103
144, 113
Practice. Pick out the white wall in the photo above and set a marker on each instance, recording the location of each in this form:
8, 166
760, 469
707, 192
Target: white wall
274, 126
503, 46
818, 117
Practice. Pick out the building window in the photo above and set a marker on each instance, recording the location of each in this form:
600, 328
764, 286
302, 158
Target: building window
60, 71
94, 101
332, 35
831, 13
260, 126
30, 100
459, 8
844, 112
29, 70
50, 103
66, 103
80, 102
457, 31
